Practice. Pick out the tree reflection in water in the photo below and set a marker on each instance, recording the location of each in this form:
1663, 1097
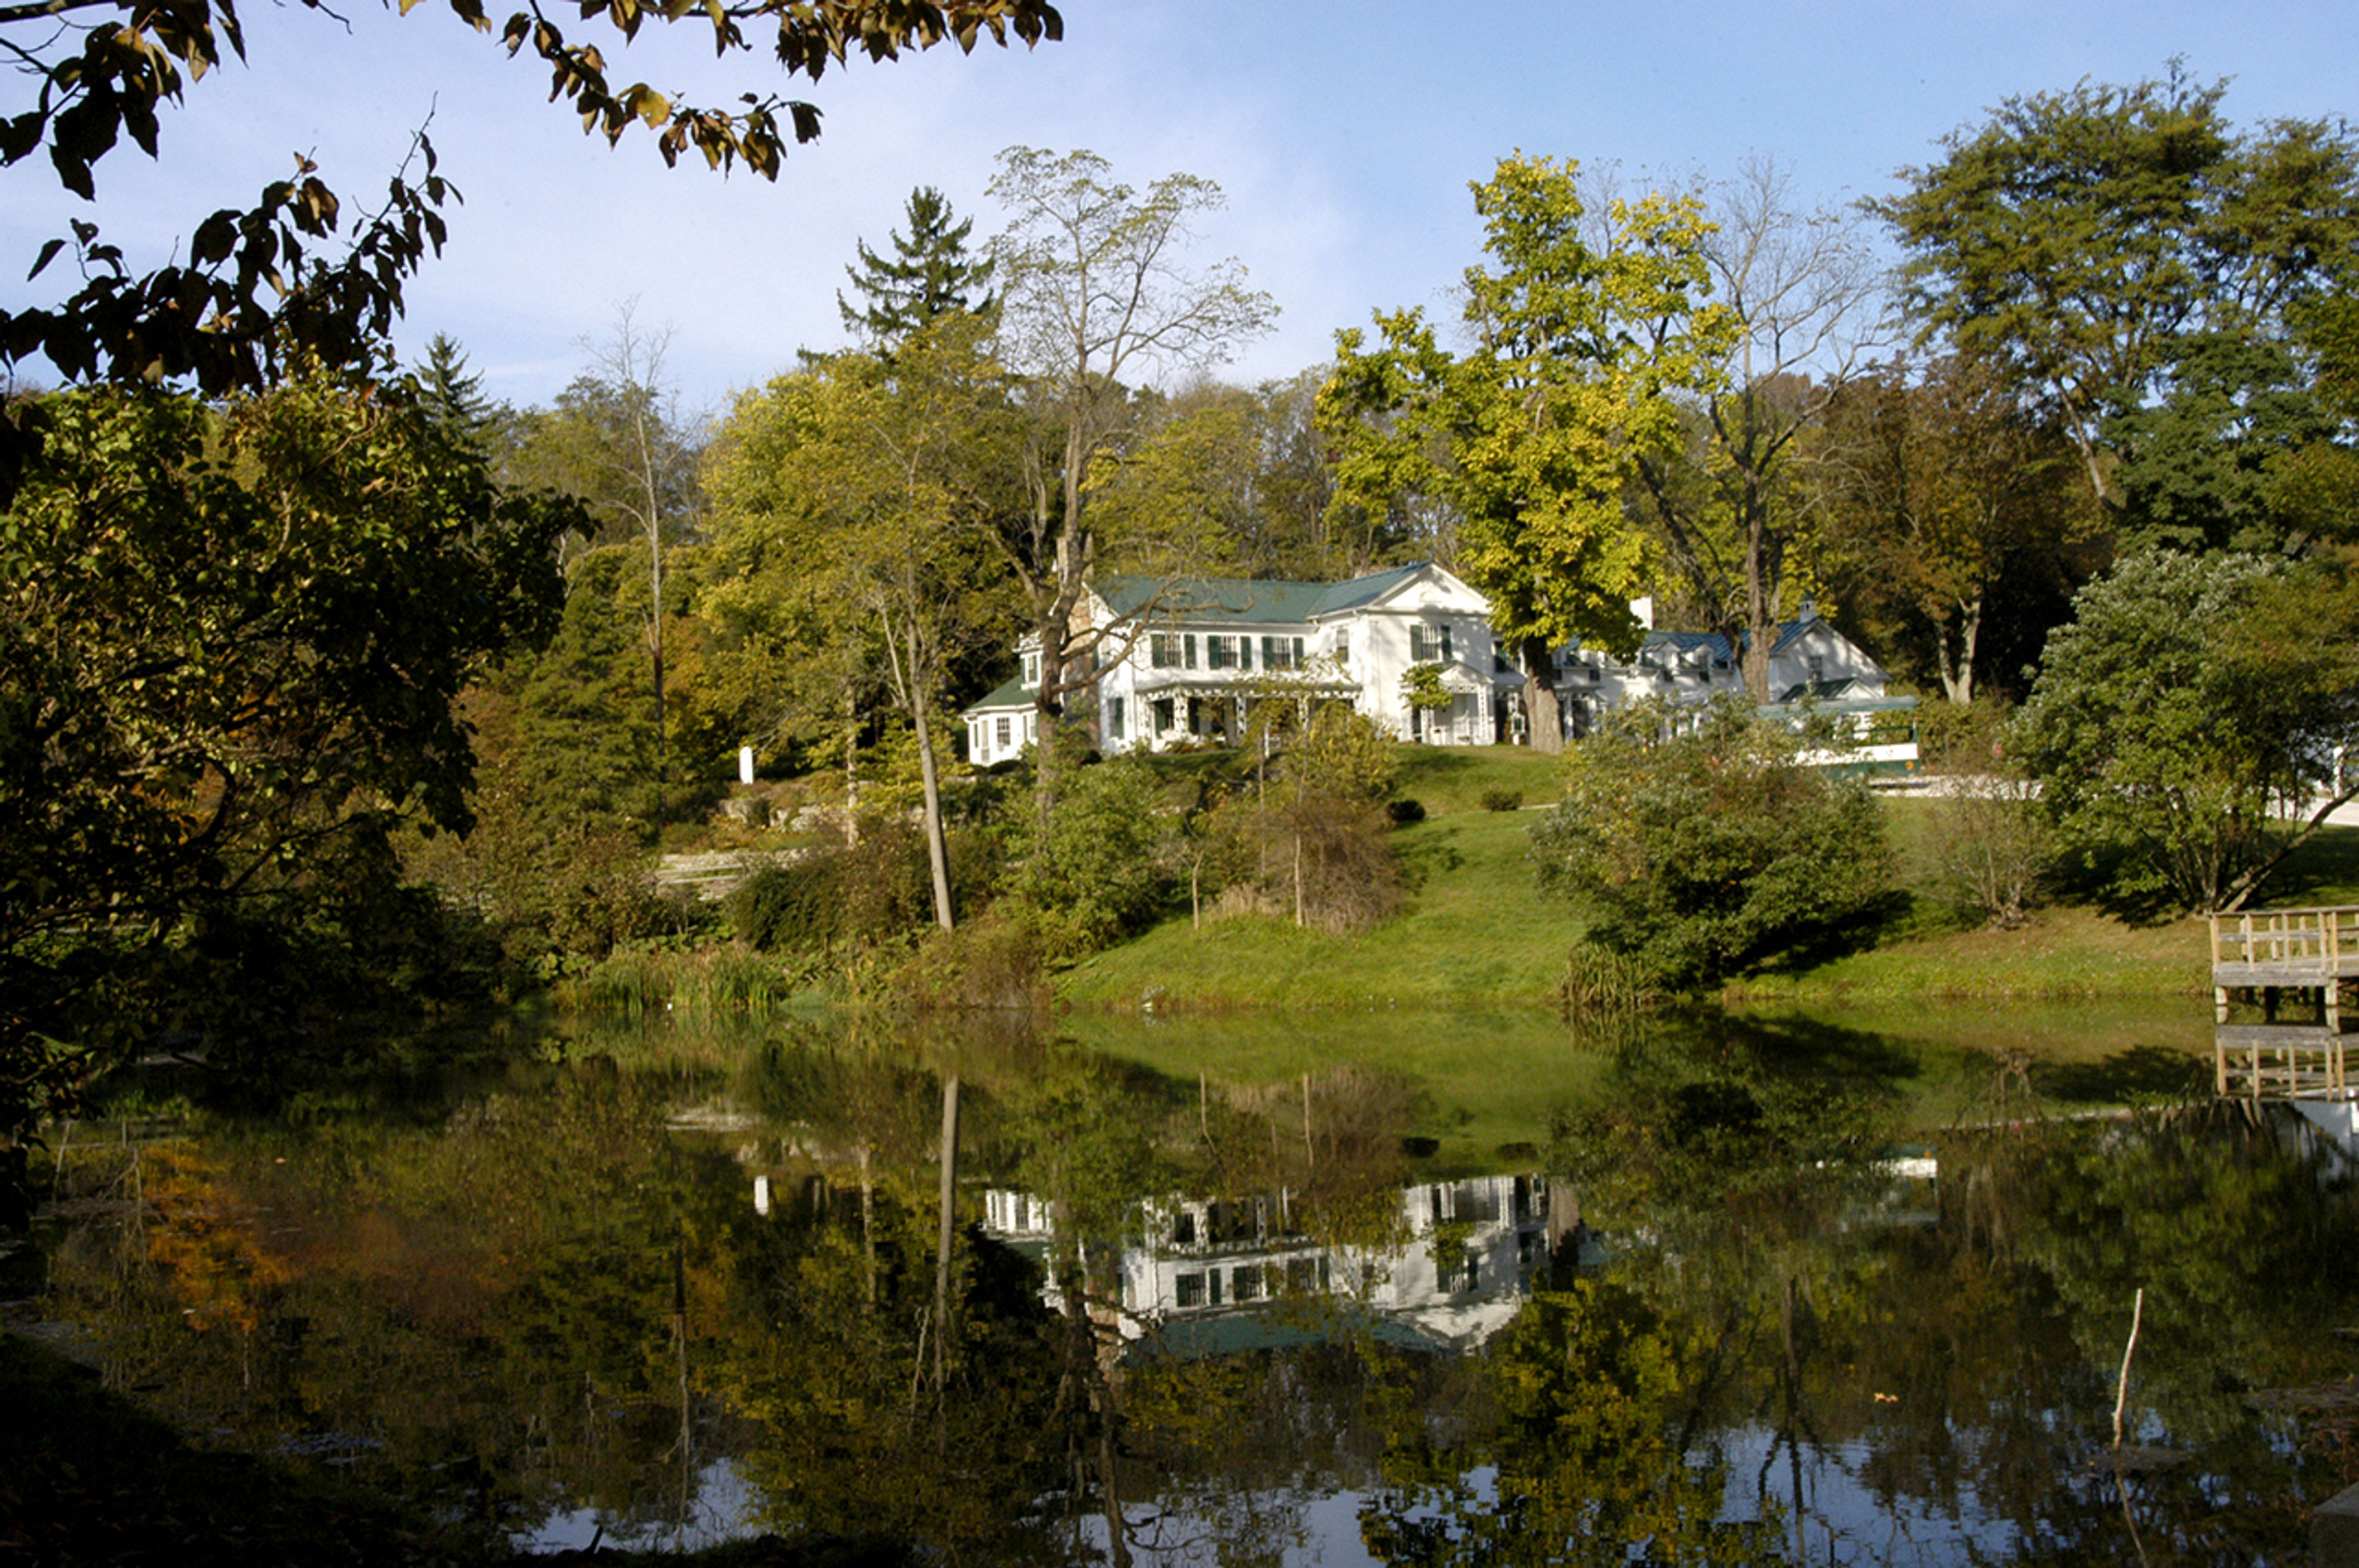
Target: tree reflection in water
557, 1294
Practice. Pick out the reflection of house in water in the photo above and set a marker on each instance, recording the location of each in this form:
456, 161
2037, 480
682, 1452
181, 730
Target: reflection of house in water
1454, 1270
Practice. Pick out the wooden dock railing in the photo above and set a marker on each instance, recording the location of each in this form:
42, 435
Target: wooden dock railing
2285, 946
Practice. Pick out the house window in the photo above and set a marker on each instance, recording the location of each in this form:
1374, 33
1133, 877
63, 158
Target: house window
1342, 645
1162, 651
1189, 643
1221, 652
1281, 652
1428, 644
1245, 1282
1191, 1290
1165, 716
1114, 719
1031, 669
1002, 735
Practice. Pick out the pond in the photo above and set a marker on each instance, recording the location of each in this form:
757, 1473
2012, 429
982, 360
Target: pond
1367, 1290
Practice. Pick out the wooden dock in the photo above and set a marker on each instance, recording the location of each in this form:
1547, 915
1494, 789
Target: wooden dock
2261, 955
2265, 952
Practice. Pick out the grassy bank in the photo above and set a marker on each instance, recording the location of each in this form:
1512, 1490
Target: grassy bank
1475, 932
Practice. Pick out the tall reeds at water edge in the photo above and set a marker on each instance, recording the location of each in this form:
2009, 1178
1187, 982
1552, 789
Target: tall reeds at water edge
631, 981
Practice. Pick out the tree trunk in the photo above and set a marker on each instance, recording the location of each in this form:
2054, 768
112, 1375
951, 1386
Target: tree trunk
938, 852
850, 766
1297, 876
1760, 621
1543, 713
1958, 675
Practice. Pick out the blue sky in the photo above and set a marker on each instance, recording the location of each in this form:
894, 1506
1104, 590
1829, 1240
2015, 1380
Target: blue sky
1345, 132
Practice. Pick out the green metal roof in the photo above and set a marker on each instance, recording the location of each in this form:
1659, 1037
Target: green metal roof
1250, 601
1007, 694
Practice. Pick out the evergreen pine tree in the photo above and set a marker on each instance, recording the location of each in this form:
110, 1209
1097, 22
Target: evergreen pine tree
452, 396
927, 276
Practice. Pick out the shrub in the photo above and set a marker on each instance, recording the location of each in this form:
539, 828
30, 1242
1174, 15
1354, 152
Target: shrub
1706, 848
1503, 800
1996, 844
1310, 841
1403, 813
994, 962
1954, 738
1096, 870
839, 895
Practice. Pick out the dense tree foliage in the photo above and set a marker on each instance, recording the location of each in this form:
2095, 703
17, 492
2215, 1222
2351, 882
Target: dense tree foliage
2142, 268
861, 498
1706, 847
1952, 523
232, 645
1531, 436
2188, 728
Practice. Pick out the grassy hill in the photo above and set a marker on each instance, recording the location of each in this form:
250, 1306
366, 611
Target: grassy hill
1475, 932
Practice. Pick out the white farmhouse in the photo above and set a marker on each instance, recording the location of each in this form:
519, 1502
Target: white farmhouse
1184, 658
1181, 659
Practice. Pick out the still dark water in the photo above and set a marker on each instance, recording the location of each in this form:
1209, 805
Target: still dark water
1727, 1293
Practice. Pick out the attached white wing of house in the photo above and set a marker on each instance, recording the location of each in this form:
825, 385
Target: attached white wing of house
1808, 658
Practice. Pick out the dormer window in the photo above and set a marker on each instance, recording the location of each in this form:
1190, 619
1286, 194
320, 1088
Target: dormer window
1032, 669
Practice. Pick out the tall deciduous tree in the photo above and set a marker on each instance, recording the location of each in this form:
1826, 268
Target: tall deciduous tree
1532, 436
617, 439
1807, 297
1095, 289
870, 494
929, 275
1946, 506
1236, 477
2131, 261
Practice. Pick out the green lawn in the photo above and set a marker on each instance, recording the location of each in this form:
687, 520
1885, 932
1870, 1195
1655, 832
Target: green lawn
1476, 933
